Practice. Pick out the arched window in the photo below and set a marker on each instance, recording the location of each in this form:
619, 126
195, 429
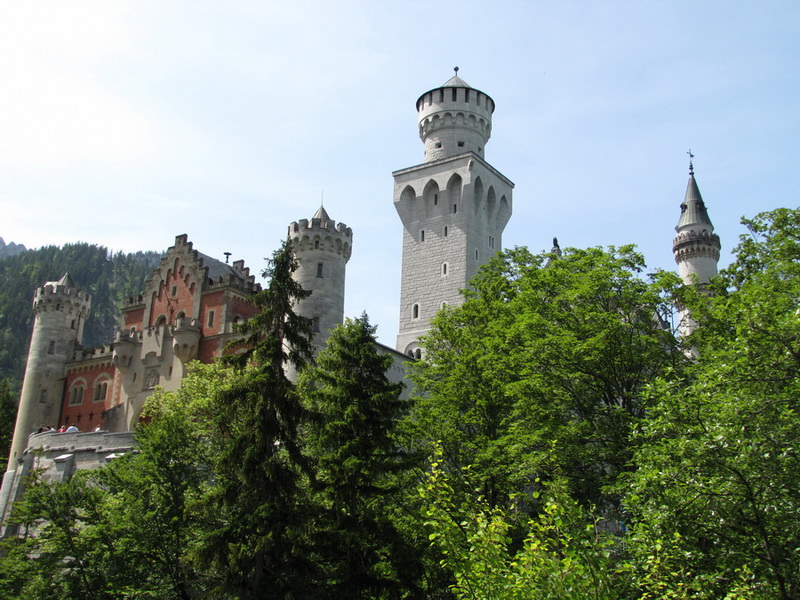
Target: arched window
76, 394
100, 390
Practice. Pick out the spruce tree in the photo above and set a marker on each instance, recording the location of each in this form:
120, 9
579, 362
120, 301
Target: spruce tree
357, 460
255, 544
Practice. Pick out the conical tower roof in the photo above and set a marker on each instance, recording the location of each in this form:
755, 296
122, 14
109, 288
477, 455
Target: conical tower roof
321, 214
693, 209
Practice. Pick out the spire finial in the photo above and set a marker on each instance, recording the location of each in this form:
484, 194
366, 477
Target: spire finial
456, 70
691, 166
322, 197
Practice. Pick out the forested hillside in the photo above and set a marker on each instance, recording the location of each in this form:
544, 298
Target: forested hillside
109, 278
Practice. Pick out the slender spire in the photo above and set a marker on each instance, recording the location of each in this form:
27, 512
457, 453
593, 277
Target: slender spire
693, 209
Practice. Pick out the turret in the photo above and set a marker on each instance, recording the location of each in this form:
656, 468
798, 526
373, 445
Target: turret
696, 247
60, 311
322, 248
453, 119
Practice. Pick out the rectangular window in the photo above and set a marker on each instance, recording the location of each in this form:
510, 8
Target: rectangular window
455, 94
466, 95
421, 235
491, 241
319, 269
52, 348
174, 290
211, 318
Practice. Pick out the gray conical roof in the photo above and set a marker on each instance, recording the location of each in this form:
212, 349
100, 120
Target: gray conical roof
322, 215
456, 81
693, 209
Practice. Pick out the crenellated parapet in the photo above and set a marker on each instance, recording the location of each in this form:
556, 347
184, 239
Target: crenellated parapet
453, 119
62, 296
696, 244
322, 234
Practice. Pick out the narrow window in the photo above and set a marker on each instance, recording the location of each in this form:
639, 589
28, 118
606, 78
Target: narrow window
100, 391
52, 348
174, 290
77, 396
444, 268
415, 311
72, 325
316, 244
445, 231
319, 269
455, 94
466, 95
421, 235
476, 254
491, 241
211, 318
441, 95
455, 208
435, 199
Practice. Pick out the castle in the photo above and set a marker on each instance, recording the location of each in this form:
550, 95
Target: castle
453, 206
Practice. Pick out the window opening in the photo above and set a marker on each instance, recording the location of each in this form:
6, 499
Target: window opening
211, 318
445, 231
52, 348
455, 208
415, 311
77, 396
421, 235
319, 269
444, 268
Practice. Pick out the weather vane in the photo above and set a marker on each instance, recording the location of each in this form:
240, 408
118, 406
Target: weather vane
691, 166
456, 70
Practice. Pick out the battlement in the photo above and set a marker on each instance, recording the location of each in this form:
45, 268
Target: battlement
319, 225
321, 235
454, 119
59, 296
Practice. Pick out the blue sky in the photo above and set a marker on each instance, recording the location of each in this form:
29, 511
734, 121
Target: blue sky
128, 123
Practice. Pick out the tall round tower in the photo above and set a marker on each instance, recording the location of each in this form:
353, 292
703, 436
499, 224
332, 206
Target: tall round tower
453, 119
696, 247
454, 207
60, 310
322, 248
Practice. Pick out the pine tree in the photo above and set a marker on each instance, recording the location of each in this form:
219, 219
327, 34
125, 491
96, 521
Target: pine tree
357, 460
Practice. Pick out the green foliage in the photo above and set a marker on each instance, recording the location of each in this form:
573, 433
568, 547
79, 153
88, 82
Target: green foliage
716, 489
539, 373
254, 541
109, 278
8, 414
563, 555
357, 462
128, 529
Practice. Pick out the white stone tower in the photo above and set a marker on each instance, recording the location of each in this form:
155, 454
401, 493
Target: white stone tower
322, 247
454, 206
60, 310
696, 247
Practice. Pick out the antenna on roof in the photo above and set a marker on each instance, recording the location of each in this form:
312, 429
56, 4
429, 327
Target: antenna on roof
227, 256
